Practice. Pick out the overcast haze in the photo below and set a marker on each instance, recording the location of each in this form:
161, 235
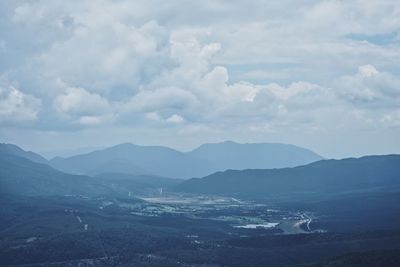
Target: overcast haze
318, 74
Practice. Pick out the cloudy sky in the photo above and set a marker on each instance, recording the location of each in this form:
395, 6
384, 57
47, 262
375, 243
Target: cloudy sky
320, 74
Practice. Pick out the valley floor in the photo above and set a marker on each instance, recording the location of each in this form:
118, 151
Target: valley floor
174, 230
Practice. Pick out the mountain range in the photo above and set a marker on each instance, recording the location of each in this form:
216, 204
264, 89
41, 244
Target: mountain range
321, 177
163, 161
26, 173
231, 155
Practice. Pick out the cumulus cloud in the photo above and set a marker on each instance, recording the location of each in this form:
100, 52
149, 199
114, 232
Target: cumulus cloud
78, 101
107, 56
210, 68
370, 88
16, 107
90, 120
175, 118
83, 107
160, 99
392, 118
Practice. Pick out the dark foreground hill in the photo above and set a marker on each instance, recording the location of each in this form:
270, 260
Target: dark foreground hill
387, 258
39, 226
322, 177
20, 176
23, 177
11, 149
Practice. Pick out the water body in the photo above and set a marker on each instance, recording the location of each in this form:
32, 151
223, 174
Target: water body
255, 226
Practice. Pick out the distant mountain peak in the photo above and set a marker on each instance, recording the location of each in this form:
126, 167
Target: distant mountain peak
204, 160
127, 144
233, 155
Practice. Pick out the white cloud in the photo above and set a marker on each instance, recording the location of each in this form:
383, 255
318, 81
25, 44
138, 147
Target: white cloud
107, 56
392, 118
159, 99
176, 119
153, 116
16, 107
90, 120
367, 70
370, 88
78, 101
211, 68
173, 119
27, 13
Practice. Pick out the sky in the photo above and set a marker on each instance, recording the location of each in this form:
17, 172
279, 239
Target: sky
324, 75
